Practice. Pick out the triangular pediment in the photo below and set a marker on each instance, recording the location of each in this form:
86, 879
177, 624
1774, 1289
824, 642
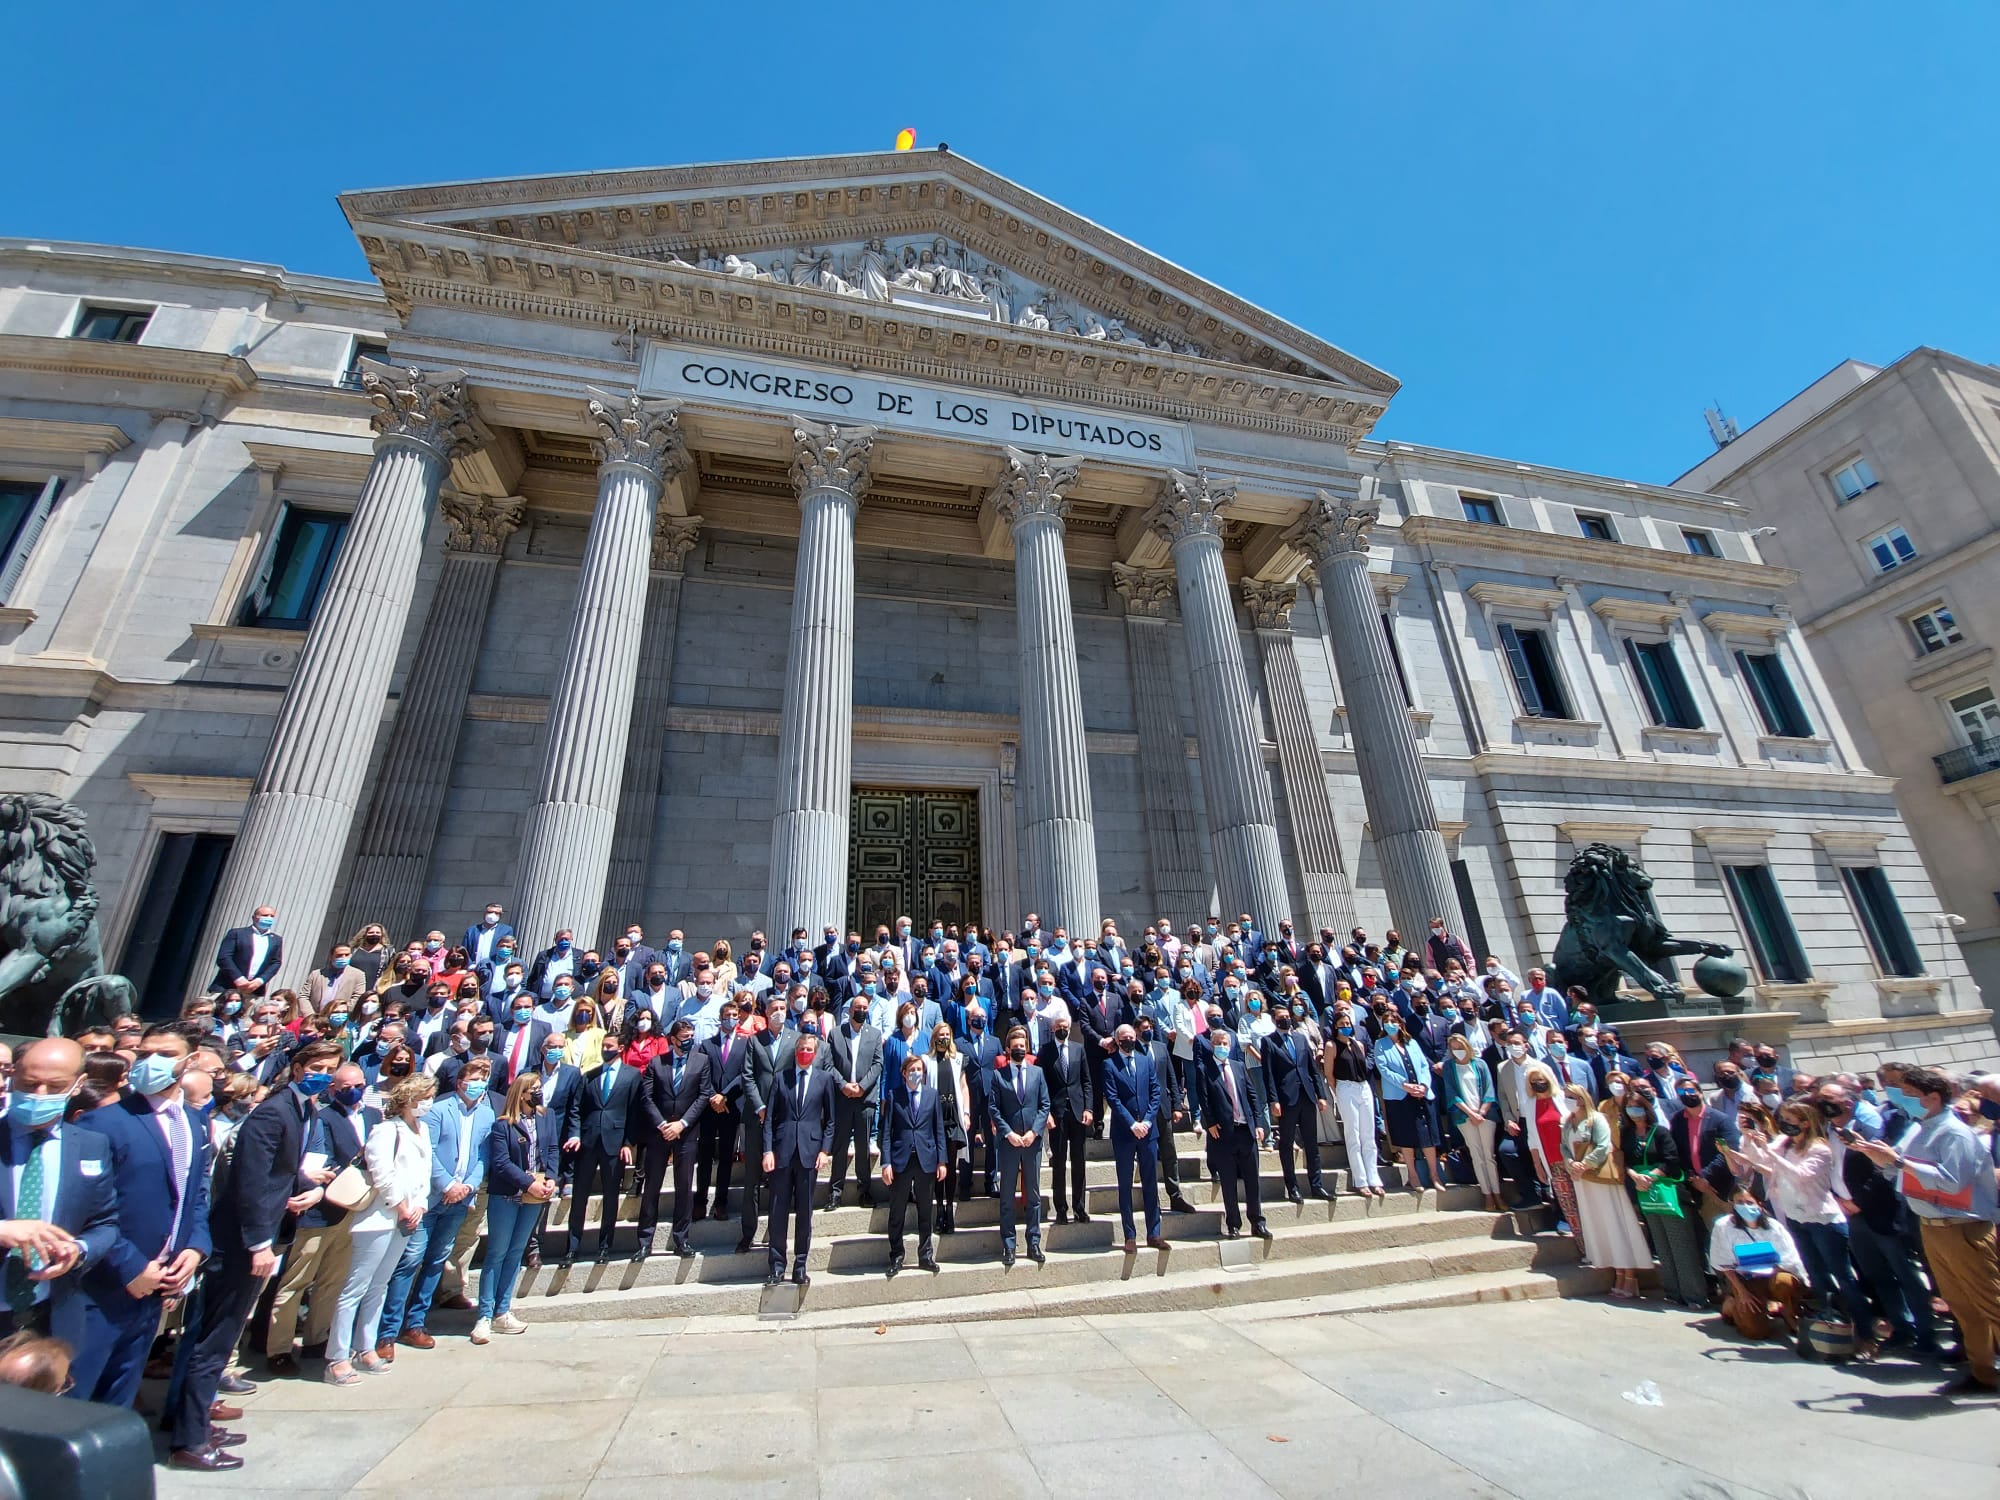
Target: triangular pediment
879, 249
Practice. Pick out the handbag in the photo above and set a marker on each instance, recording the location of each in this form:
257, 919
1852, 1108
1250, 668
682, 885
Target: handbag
350, 1190
1663, 1197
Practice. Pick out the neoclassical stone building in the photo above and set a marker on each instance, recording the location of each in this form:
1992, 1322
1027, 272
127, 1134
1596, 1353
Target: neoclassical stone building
810, 541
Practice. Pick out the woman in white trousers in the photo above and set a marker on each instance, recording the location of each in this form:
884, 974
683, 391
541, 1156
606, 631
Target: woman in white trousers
398, 1156
1345, 1059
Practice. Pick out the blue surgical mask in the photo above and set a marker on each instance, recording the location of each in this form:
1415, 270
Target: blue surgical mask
231, 1007
506, 953
673, 945
1904, 1102
349, 1098
475, 1091
314, 1084
523, 1013
339, 964
1749, 1213
565, 992
152, 1074
563, 945
265, 924
37, 1110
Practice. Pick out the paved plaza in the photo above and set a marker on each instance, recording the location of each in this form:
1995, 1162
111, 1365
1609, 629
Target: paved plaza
1513, 1399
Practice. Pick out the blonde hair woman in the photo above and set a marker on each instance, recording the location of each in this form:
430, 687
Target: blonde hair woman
607, 998
583, 1037
1605, 1223
946, 1067
725, 966
398, 1160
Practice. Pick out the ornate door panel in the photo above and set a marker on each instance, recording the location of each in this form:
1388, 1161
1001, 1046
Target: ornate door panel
914, 854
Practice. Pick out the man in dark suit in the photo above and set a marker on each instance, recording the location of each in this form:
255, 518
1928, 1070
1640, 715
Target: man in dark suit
518, 1044
722, 1119
1066, 1069
1132, 1090
1296, 1089
854, 1052
671, 1101
562, 1116
316, 1264
1019, 1113
257, 1201
798, 1132
249, 957
607, 1123
917, 1158
768, 1055
983, 1051
482, 938
1233, 1101
1173, 1110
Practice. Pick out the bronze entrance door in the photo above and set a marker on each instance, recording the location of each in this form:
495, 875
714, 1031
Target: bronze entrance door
912, 854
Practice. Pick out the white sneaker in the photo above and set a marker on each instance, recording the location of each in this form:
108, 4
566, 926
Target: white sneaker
508, 1323
482, 1331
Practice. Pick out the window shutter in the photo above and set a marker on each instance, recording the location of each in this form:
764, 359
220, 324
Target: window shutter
16, 561
1517, 662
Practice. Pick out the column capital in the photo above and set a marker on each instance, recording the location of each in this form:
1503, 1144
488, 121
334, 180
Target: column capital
1270, 604
826, 457
1190, 505
478, 524
1335, 525
1148, 592
673, 538
642, 433
427, 408
1034, 484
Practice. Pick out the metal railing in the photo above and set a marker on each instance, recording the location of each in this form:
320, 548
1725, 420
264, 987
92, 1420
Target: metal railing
1968, 760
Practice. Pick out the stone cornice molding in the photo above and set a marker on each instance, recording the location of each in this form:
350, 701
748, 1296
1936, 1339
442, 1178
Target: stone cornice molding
1270, 604
477, 525
1149, 593
1471, 540
1850, 847
225, 375
292, 466
1724, 842
830, 457
1190, 506
58, 444
637, 432
1518, 598
1648, 612
1034, 485
427, 408
1726, 623
1335, 525
673, 538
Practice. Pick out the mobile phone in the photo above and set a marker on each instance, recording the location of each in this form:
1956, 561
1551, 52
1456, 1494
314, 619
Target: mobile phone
1846, 1133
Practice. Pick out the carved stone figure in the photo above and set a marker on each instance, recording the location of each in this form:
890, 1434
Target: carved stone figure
705, 260
736, 265
814, 268
1612, 931
870, 273
52, 979
1033, 317
993, 285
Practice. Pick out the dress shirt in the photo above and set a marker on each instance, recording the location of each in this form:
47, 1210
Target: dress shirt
557, 967
260, 947
178, 1131
50, 1150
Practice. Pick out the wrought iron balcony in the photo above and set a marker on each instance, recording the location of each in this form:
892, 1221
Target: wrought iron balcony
1968, 760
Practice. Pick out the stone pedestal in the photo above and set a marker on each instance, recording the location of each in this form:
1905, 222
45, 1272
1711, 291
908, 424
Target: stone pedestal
1181, 891
301, 812
1242, 826
1058, 840
566, 851
816, 741
1402, 821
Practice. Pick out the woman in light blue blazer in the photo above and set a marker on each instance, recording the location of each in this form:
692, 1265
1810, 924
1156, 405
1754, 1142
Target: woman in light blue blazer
1474, 1108
1406, 1100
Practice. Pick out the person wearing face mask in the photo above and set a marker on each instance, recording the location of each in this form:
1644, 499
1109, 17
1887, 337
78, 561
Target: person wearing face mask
1587, 1174
1346, 1065
1519, 1152
606, 1136
1473, 1106
854, 1050
1406, 1101
518, 1044
915, 1162
397, 1158
641, 1038
519, 1186
1297, 1093
249, 958
397, 1061
458, 1126
335, 983
728, 1054
316, 1265
797, 1132
1658, 1172
1699, 1134
251, 1214
559, 958
1135, 1093
1020, 1114
562, 1090
672, 1097
1756, 1259
484, 938
159, 1161
502, 975
1233, 1103
371, 952
1568, 1068
1065, 1065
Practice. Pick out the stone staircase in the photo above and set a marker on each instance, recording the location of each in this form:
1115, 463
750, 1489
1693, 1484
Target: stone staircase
1429, 1248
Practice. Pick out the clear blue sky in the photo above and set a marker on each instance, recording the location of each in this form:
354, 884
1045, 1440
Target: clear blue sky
1564, 227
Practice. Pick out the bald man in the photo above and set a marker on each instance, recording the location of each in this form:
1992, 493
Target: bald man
57, 1177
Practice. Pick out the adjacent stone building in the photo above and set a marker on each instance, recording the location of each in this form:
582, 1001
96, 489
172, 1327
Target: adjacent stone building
813, 541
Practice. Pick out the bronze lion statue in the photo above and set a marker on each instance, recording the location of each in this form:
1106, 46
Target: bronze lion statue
52, 978
1612, 931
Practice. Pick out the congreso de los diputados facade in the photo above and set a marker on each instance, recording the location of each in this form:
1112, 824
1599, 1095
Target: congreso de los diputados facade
811, 542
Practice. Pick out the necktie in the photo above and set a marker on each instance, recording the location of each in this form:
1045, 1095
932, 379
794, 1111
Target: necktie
1694, 1146
679, 1064
1229, 1088
802, 1093
27, 1205
1020, 1083
181, 1144
610, 1076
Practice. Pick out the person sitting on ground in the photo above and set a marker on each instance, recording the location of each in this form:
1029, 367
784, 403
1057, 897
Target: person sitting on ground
1766, 1283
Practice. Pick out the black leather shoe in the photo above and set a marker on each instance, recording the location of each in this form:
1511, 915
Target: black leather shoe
604, 1254
1262, 1230
1323, 1191
773, 1276
895, 1265
867, 1200
743, 1246
682, 1248
1062, 1216
212, 1460
643, 1249
832, 1199
1180, 1205
1035, 1255
281, 1364
1006, 1256
926, 1261
1294, 1196
1082, 1217
800, 1279
235, 1385
721, 1211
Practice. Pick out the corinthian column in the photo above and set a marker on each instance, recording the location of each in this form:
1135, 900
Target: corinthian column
638, 802
301, 811
566, 852
387, 884
1181, 892
1329, 901
1401, 818
1059, 843
816, 743
1242, 827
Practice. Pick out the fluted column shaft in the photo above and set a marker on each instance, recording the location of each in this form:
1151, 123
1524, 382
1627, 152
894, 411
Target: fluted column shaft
295, 829
1181, 891
566, 849
1242, 824
816, 742
1058, 837
1402, 820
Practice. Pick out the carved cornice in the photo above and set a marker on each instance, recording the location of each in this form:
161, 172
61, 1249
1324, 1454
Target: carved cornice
827, 457
1149, 593
673, 538
1518, 598
222, 374
1190, 505
1728, 622
479, 525
59, 444
1034, 485
1335, 526
1270, 604
639, 432
426, 407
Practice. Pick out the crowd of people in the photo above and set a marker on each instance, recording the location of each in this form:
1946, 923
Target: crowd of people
312, 1170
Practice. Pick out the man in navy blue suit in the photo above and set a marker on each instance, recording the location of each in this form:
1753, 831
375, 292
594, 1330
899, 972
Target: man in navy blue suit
248, 958
159, 1165
1296, 1090
482, 938
1132, 1091
798, 1140
915, 1163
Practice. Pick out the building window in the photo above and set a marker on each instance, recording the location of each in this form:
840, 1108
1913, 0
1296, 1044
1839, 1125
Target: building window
1977, 716
1852, 479
1771, 689
1396, 658
1891, 549
1597, 528
1662, 684
1533, 662
1935, 629
1482, 508
1882, 920
363, 349
160, 951
24, 508
295, 572
1700, 543
1774, 942
112, 325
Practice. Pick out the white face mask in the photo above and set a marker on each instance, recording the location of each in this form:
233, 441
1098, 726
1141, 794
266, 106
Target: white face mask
1517, 1051
1616, 1089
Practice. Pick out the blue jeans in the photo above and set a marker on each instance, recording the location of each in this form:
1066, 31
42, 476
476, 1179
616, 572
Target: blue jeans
1823, 1248
417, 1273
508, 1228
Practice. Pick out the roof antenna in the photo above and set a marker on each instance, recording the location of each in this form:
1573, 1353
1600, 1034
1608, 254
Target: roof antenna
1720, 427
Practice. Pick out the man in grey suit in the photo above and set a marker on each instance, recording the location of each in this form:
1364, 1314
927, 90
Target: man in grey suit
1018, 1102
770, 1054
672, 1096
855, 1052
